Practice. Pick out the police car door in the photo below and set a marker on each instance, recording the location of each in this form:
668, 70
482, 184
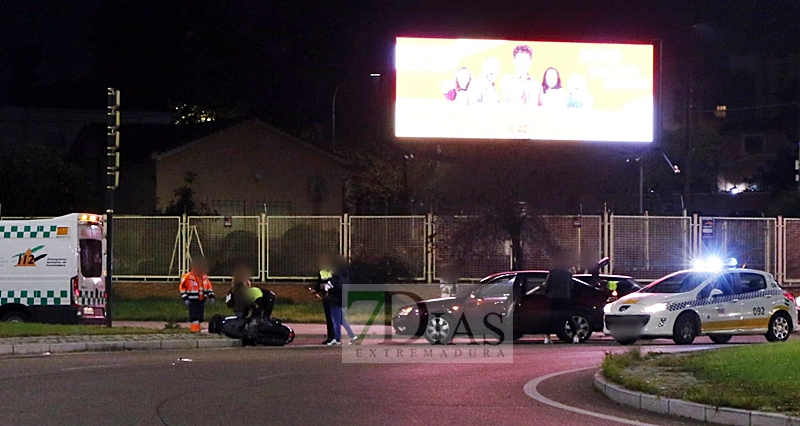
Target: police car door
718, 306
756, 303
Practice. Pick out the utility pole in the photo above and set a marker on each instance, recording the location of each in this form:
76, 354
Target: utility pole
112, 182
687, 176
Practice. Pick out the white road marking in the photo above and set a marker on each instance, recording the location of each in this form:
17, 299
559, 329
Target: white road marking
531, 391
272, 376
92, 367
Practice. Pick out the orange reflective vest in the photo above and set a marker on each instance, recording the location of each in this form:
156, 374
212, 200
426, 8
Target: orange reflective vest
194, 287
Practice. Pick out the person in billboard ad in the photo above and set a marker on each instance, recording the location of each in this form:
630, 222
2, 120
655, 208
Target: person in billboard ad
456, 90
483, 90
499, 89
552, 94
520, 87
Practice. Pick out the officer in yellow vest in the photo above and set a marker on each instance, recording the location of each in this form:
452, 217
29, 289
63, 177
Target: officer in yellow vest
326, 265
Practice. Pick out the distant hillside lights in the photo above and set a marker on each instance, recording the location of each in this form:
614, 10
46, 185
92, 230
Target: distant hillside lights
192, 114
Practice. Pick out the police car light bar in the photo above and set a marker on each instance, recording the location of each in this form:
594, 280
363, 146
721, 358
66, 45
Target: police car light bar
714, 264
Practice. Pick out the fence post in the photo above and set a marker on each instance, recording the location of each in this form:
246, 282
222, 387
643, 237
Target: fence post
263, 242
780, 251
695, 238
430, 258
186, 258
610, 243
344, 237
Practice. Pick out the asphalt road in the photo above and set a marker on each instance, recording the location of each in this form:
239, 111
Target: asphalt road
307, 385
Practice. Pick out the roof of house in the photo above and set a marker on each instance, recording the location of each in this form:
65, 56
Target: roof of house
141, 142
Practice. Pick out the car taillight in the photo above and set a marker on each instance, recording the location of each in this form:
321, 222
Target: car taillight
76, 290
789, 296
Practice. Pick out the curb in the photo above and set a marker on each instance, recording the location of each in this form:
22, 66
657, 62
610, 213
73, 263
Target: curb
137, 345
691, 410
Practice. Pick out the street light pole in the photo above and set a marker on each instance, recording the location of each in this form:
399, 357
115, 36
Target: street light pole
333, 116
641, 185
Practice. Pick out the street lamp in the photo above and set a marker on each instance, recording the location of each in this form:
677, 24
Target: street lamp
640, 160
333, 108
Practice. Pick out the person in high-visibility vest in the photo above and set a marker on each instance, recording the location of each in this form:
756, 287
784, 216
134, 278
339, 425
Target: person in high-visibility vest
261, 303
195, 288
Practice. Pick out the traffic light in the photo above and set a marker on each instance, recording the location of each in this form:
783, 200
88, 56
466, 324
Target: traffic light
112, 167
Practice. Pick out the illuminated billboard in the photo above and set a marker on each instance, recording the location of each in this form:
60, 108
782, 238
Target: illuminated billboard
497, 89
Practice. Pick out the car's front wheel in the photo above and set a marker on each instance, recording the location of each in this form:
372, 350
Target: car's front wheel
440, 329
583, 325
720, 338
685, 330
780, 326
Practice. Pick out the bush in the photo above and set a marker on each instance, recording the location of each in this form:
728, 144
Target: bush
384, 269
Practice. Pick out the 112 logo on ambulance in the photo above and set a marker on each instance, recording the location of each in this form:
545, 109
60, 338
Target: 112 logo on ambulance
28, 258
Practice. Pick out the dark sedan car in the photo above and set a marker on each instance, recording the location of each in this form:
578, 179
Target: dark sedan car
437, 319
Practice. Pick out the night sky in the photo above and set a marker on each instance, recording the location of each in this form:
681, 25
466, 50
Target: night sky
281, 60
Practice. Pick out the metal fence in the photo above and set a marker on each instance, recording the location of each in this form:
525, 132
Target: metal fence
148, 247
649, 247
293, 243
416, 247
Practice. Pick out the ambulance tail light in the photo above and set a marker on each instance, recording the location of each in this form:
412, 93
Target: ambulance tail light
789, 296
76, 290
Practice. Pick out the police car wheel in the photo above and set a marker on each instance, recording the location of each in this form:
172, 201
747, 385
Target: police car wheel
720, 338
780, 327
685, 330
15, 317
440, 329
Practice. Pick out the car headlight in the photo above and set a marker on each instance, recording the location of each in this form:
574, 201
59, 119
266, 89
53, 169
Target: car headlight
658, 307
607, 308
405, 311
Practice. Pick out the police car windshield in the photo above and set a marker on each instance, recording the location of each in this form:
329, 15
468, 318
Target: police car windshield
679, 282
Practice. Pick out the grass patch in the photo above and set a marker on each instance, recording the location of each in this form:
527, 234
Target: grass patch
764, 377
36, 330
615, 368
172, 310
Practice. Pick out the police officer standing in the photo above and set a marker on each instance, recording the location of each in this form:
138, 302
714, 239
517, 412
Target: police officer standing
326, 270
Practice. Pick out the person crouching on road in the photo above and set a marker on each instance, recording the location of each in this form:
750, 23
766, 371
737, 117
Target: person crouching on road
195, 288
238, 298
260, 305
558, 286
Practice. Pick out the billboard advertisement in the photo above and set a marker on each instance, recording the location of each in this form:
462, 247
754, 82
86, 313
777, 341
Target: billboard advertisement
499, 89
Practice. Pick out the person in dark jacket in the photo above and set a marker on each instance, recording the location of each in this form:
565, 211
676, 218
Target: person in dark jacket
558, 286
239, 298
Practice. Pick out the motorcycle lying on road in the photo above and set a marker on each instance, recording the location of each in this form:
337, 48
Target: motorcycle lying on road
255, 330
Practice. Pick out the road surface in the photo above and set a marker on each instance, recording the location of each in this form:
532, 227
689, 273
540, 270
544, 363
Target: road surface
303, 384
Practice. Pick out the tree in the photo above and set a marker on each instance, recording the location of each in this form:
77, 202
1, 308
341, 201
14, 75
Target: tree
496, 208
37, 181
184, 203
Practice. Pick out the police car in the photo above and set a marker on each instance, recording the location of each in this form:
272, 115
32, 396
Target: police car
715, 299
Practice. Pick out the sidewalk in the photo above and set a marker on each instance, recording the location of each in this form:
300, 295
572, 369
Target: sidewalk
299, 329
162, 341
63, 344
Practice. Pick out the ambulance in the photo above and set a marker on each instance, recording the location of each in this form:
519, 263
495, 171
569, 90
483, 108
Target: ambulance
52, 270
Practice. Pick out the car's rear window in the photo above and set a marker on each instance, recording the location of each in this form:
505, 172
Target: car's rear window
679, 282
91, 258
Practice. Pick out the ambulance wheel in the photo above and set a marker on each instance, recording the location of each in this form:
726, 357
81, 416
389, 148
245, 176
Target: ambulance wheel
720, 338
780, 327
686, 329
15, 316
